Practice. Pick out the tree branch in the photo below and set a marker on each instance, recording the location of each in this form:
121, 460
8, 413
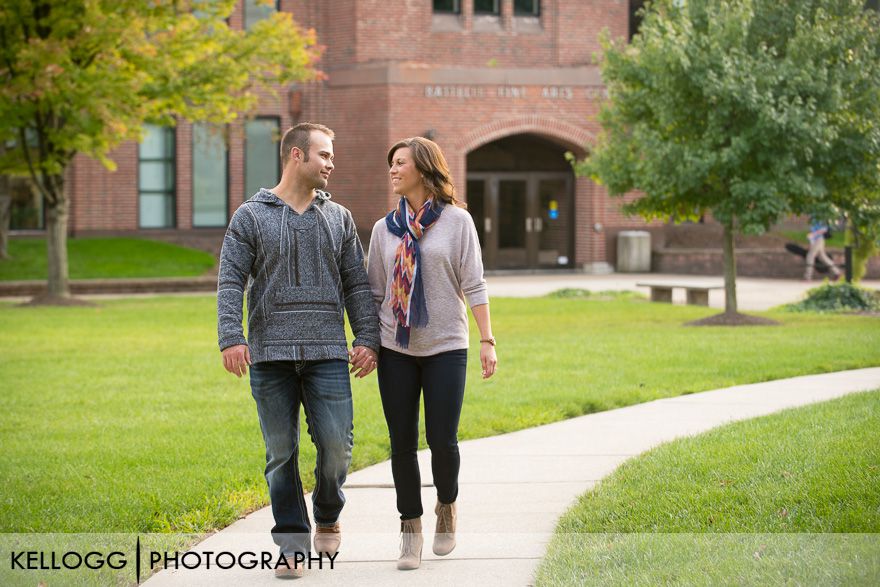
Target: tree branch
22, 139
45, 150
7, 59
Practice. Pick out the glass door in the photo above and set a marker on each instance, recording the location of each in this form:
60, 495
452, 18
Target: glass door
523, 220
481, 206
513, 241
553, 222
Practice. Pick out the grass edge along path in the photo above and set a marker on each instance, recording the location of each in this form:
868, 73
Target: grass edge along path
791, 497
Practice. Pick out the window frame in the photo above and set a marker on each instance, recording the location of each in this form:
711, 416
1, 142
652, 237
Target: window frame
193, 181
10, 145
244, 20
495, 12
277, 120
456, 8
172, 159
535, 13
634, 22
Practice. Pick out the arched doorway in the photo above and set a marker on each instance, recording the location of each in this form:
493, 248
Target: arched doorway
520, 191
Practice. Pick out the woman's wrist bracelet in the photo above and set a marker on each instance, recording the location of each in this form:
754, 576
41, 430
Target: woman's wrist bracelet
490, 340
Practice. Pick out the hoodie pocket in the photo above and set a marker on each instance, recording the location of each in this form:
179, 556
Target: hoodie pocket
305, 315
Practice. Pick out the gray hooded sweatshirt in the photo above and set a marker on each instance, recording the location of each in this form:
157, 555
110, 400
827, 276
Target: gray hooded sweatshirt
301, 273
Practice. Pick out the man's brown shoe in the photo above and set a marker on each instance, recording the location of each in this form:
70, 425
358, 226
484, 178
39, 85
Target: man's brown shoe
411, 542
444, 537
291, 571
328, 539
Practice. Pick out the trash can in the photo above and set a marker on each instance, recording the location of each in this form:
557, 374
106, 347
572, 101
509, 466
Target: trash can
633, 251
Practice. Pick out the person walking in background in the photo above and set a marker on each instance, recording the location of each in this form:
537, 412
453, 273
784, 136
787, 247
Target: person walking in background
299, 256
818, 233
424, 265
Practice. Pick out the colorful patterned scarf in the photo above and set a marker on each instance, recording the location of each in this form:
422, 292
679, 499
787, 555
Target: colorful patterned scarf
407, 292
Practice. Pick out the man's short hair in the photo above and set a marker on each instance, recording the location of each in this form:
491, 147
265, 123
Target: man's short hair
298, 137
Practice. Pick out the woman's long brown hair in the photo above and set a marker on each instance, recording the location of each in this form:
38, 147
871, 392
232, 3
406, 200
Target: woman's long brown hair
431, 163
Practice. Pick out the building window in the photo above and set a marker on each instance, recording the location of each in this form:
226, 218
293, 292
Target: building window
26, 210
261, 158
255, 11
527, 7
487, 7
210, 175
635, 17
156, 178
447, 6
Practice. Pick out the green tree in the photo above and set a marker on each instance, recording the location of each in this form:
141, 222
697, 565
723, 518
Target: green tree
746, 109
862, 212
82, 76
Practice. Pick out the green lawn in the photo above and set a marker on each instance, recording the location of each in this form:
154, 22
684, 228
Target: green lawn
120, 418
791, 498
93, 258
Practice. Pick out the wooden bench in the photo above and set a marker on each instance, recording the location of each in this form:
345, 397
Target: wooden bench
697, 293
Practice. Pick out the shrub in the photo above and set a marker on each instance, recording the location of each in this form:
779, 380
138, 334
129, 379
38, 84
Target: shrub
841, 297
570, 292
604, 295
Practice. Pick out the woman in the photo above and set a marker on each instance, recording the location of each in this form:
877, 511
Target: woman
424, 263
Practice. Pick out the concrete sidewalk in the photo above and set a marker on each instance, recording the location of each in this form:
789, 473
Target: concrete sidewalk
513, 489
753, 294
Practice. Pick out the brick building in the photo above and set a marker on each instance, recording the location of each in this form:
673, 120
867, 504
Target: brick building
506, 87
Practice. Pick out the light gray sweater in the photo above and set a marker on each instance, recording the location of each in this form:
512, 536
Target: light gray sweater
452, 270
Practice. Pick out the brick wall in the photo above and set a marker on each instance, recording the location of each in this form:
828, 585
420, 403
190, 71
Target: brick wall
360, 119
580, 24
101, 199
183, 177
749, 263
565, 34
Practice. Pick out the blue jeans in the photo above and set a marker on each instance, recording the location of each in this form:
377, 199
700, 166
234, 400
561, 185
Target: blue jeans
324, 389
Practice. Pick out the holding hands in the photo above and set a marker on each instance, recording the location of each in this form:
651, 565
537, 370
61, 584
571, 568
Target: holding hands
363, 361
236, 360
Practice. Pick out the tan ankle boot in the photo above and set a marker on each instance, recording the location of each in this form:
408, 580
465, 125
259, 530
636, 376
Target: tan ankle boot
444, 537
293, 569
411, 542
328, 539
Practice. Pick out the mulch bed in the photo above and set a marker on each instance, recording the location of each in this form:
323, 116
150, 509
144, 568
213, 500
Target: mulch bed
733, 319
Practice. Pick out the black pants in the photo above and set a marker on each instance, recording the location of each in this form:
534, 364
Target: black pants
401, 380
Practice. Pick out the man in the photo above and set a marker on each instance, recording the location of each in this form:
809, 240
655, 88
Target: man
817, 235
299, 256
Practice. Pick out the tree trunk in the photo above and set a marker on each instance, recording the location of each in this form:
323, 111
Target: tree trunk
5, 211
56, 244
729, 270
863, 248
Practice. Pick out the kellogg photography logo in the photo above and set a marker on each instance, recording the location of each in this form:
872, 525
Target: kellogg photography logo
33, 560
86, 560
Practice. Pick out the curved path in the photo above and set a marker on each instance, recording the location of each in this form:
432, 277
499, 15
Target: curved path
513, 489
